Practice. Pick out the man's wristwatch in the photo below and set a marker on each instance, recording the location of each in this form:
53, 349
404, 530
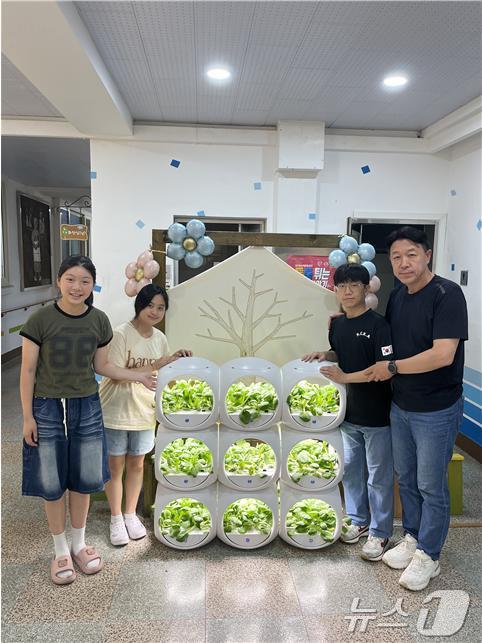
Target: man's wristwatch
392, 367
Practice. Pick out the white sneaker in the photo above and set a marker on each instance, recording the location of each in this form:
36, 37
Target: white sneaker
401, 555
374, 548
135, 528
118, 534
353, 533
418, 574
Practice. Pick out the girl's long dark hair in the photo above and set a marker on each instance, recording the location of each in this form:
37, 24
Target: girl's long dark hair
83, 262
147, 294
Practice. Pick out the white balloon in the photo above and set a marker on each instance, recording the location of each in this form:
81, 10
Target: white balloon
375, 284
371, 301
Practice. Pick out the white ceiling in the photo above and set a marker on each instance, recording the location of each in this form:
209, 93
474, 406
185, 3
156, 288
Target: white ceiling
290, 60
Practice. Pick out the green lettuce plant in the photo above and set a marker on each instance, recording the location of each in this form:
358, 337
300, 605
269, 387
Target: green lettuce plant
251, 400
187, 395
312, 458
313, 517
312, 400
182, 516
186, 456
248, 514
244, 457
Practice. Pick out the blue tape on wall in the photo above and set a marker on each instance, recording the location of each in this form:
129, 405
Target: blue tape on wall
312, 216
471, 430
97, 288
93, 175
365, 169
479, 225
201, 213
472, 394
257, 185
175, 163
140, 223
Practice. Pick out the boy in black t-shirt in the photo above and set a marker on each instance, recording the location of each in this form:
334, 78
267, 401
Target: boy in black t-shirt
359, 339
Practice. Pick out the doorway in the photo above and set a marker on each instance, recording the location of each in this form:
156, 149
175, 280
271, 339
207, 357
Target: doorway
376, 232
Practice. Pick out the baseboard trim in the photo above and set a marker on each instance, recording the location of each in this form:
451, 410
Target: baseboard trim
469, 446
11, 355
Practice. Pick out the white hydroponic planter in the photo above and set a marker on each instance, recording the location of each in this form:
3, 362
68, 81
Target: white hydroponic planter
302, 540
239, 481
248, 369
196, 538
251, 539
293, 373
311, 483
176, 481
187, 368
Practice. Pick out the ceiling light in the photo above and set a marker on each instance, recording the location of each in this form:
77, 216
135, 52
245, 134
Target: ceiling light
395, 81
218, 73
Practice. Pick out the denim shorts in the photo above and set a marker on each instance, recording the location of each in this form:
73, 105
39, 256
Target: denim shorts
125, 442
71, 452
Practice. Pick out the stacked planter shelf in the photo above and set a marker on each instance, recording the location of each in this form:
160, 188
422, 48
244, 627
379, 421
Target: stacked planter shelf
175, 486
298, 435
258, 435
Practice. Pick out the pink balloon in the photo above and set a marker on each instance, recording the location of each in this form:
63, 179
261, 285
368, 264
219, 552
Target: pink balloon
141, 284
371, 301
375, 284
151, 269
131, 269
143, 258
131, 287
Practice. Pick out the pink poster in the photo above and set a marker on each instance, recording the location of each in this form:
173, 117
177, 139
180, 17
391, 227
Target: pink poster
315, 268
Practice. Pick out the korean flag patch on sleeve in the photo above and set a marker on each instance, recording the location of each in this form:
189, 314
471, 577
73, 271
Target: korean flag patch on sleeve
387, 350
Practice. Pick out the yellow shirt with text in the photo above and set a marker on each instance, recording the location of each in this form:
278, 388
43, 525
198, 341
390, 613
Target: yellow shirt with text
130, 405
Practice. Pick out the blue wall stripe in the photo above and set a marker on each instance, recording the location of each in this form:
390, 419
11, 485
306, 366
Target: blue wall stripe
472, 431
473, 412
473, 376
473, 394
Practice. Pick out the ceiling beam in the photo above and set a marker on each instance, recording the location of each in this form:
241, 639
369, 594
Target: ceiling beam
49, 43
457, 126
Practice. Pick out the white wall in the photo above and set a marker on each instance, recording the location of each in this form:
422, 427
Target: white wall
12, 296
135, 181
464, 239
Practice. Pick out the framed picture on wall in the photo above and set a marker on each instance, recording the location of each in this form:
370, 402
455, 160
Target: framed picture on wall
34, 239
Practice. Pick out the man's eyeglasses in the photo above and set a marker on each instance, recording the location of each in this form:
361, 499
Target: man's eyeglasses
353, 285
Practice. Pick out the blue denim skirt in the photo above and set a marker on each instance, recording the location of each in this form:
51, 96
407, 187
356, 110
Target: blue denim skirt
71, 452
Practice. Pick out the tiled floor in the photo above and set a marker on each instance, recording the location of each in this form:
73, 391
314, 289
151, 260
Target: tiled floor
150, 593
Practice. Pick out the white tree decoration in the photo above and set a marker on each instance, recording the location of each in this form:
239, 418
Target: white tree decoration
244, 338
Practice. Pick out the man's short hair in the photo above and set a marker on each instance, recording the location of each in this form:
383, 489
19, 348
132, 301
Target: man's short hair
412, 234
351, 272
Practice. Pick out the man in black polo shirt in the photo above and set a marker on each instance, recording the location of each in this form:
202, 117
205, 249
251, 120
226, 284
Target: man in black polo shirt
428, 319
359, 339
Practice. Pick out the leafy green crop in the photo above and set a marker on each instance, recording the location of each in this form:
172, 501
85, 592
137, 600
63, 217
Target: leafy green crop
251, 400
312, 458
182, 516
248, 514
249, 459
187, 395
310, 400
313, 517
186, 455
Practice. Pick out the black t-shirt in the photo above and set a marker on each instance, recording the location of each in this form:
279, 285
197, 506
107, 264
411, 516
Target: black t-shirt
438, 311
359, 342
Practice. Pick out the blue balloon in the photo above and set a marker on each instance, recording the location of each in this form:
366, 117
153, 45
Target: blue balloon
195, 228
348, 245
372, 269
176, 232
175, 251
366, 251
193, 259
336, 258
205, 246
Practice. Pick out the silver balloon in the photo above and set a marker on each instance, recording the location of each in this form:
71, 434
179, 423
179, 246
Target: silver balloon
205, 246
193, 259
176, 232
175, 251
195, 228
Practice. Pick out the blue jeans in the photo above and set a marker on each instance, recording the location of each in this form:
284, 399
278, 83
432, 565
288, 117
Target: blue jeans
71, 452
422, 449
368, 477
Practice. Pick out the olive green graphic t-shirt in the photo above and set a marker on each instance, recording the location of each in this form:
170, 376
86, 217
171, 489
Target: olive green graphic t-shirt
67, 347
